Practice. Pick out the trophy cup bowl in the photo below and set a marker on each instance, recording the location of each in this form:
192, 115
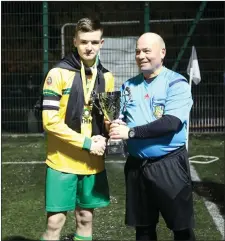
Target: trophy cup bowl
110, 104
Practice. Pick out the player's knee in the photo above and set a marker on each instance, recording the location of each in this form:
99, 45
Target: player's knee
56, 221
84, 216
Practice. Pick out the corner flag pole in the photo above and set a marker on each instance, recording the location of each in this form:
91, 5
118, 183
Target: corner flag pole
194, 76
188, 122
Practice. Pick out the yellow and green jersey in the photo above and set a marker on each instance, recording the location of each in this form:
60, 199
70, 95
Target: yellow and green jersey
64, 109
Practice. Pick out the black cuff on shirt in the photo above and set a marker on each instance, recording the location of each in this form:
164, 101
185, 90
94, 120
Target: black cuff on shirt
161, 127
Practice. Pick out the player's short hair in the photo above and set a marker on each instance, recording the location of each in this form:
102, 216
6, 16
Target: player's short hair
88, 25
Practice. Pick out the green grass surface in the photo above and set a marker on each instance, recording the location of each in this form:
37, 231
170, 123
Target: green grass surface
23, 211
209, 146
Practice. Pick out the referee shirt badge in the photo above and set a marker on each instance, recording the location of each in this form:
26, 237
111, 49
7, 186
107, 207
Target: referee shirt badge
158, 111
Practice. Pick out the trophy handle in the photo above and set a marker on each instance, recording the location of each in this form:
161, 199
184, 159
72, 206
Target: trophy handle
126, 92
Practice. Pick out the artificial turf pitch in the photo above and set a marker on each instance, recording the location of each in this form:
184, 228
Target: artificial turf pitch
23, 214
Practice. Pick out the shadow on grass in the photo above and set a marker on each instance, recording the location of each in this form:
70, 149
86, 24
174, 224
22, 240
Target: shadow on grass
20, 238
17, 238
212, 191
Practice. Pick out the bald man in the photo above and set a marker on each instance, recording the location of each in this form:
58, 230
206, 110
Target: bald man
154, 125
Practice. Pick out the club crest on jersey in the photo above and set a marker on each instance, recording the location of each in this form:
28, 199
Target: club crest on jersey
49, 81
86, 113
87, 118
158, 111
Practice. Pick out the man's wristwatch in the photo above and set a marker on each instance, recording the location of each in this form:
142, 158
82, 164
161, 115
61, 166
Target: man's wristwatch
131, 133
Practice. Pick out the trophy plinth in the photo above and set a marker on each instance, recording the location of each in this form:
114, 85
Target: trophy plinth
115, 149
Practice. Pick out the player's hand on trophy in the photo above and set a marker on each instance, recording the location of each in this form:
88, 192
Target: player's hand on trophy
97, 137
119, 131
98, 145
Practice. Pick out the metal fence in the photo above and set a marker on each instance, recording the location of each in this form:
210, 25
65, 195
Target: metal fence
32, 44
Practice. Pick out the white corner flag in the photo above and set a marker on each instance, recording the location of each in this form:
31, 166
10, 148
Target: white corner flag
194, 75
193, 68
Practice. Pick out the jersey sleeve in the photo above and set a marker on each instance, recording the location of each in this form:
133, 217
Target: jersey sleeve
179, 100
52, 123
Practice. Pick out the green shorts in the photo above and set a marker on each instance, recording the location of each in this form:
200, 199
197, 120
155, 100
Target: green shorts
65, 191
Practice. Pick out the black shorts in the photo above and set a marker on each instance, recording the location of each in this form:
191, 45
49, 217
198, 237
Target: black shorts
159, 185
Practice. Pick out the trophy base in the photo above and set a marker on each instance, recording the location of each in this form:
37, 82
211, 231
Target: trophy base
115, 149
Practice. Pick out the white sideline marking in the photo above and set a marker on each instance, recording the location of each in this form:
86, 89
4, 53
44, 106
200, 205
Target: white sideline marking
191, 159
211, 207
22, 163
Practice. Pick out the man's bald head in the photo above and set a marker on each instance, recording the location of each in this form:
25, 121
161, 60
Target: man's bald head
152, 38
150, 52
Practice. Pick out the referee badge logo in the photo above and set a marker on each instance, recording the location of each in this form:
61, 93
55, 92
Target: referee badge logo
158, 111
